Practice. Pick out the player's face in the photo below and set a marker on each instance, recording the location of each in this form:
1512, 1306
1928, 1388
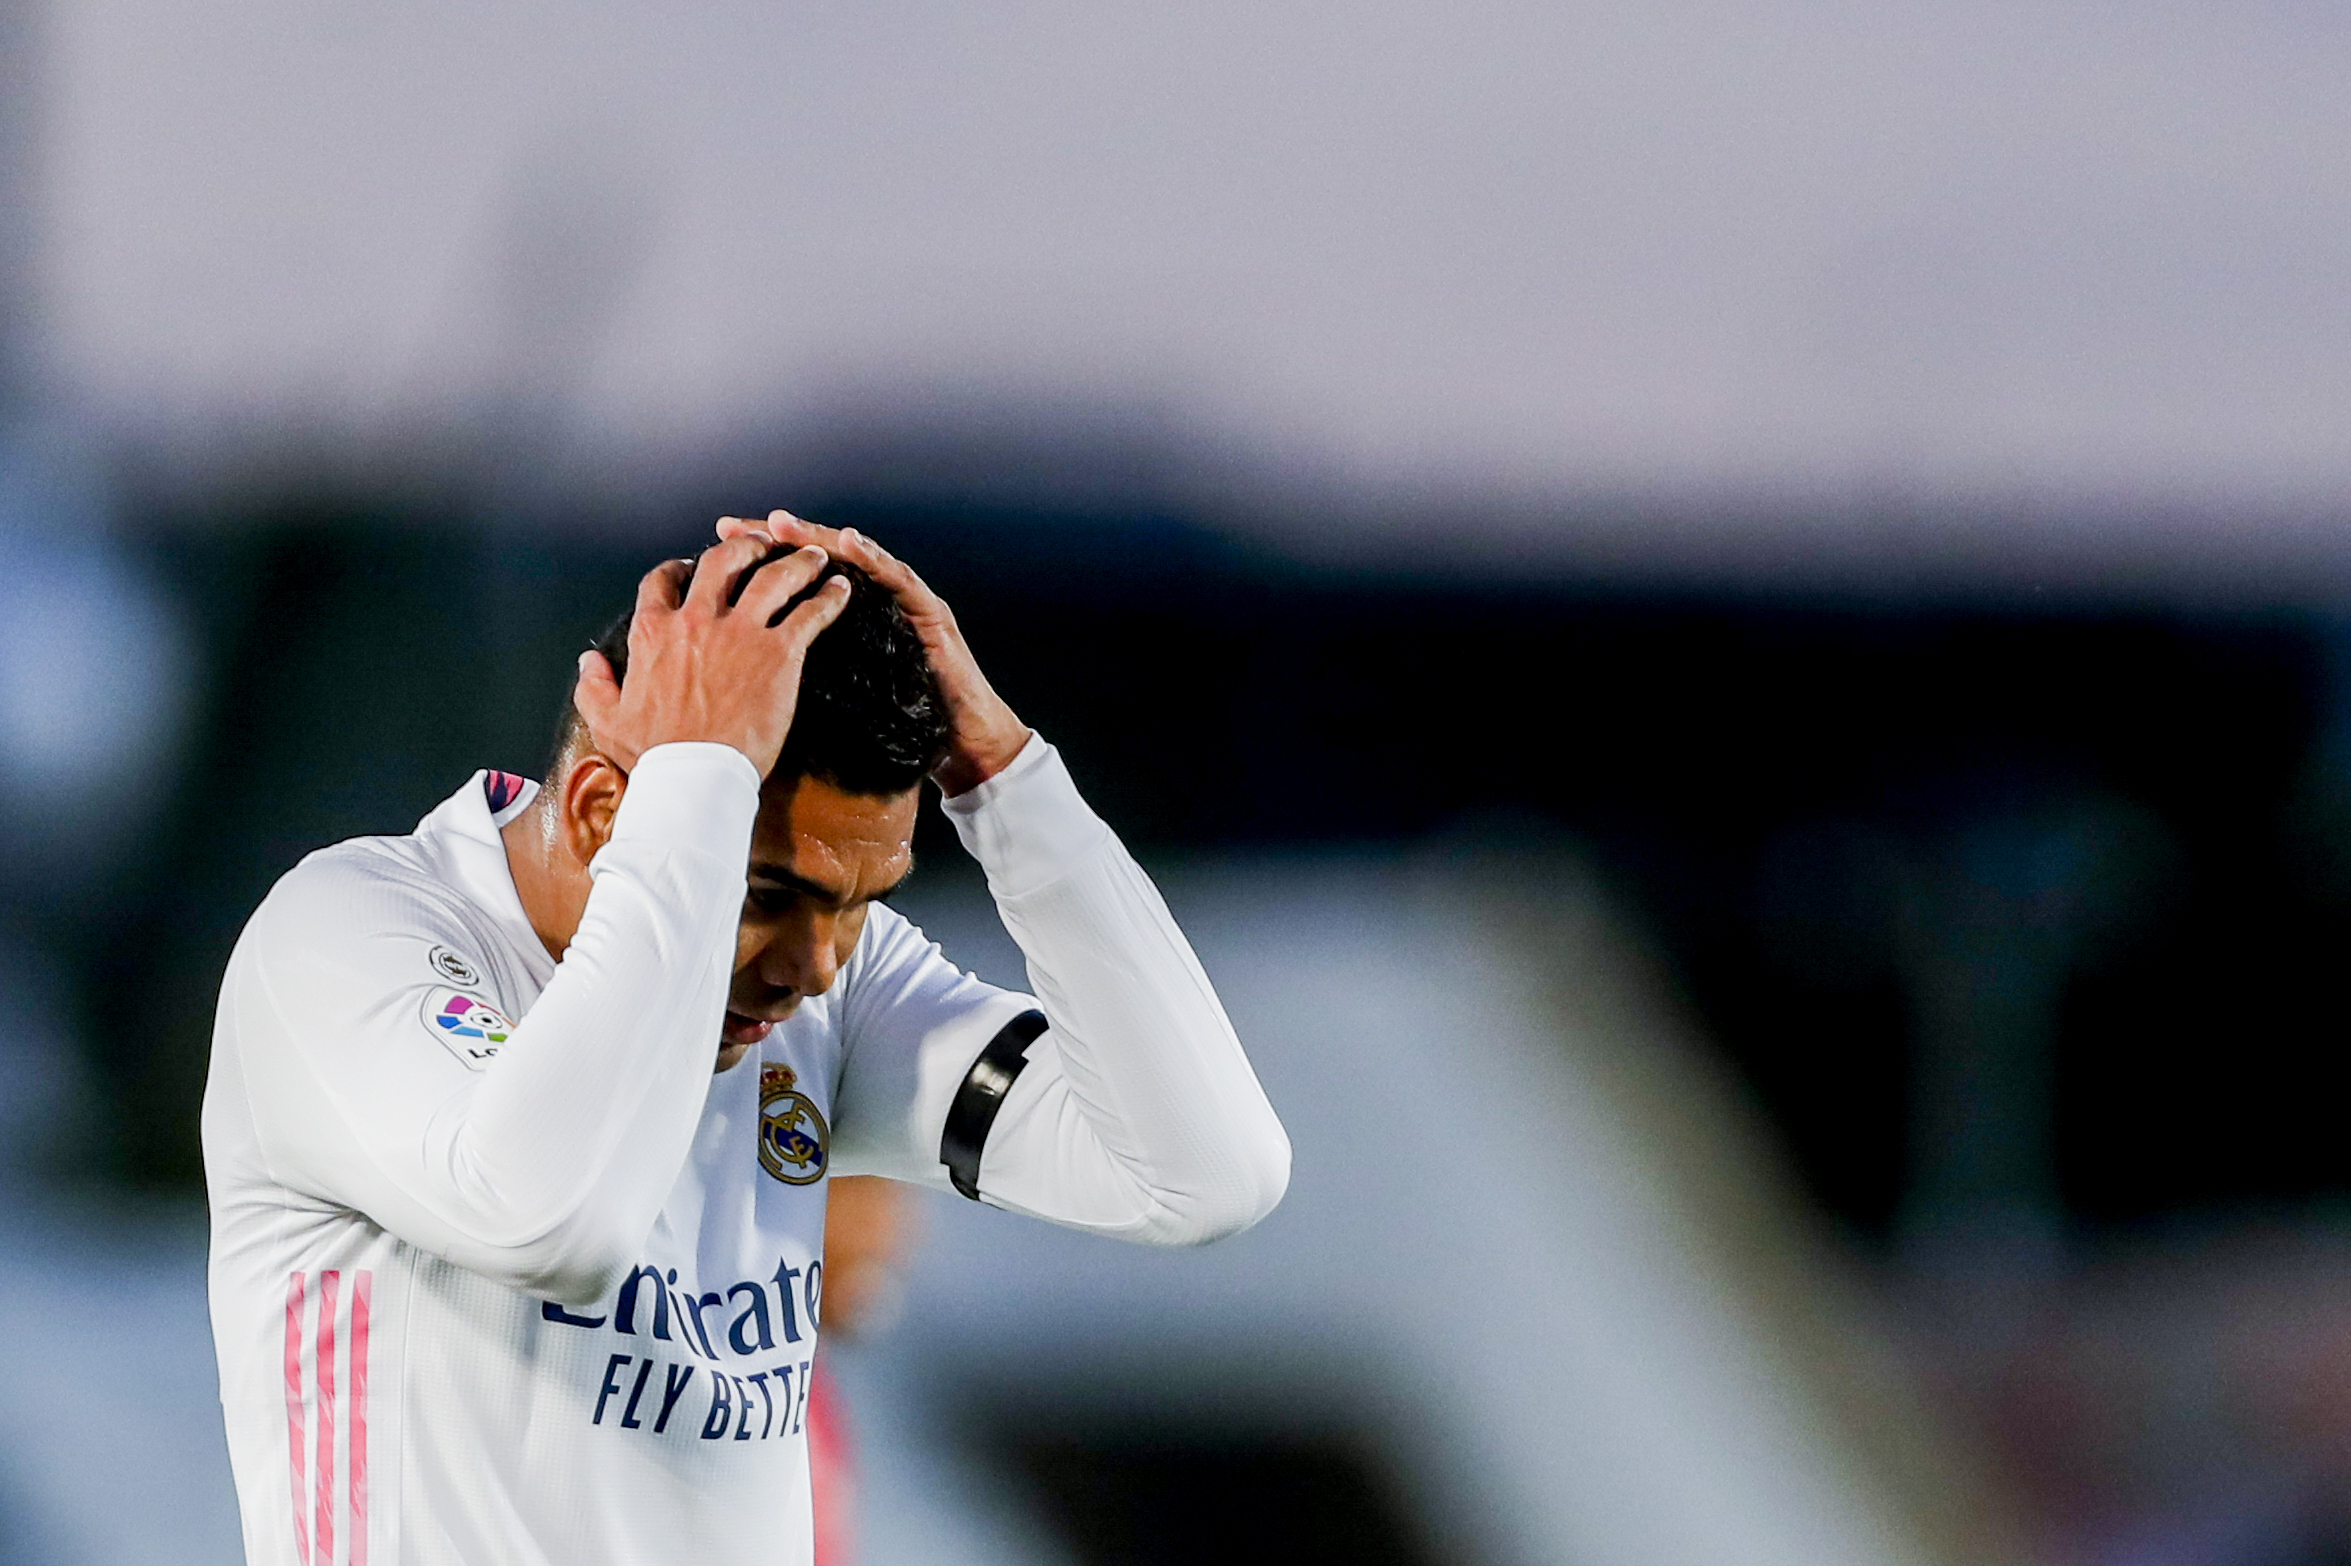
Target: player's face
819, 858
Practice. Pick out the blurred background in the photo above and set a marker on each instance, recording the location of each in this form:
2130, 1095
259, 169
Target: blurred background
1730, 625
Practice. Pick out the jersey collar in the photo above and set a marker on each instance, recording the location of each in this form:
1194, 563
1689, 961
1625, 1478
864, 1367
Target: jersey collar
462, 834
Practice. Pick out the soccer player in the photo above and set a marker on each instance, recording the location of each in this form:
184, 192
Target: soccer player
518, 1126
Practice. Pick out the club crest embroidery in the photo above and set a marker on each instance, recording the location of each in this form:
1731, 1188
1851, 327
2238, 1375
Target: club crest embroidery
792, 1133
473, 1029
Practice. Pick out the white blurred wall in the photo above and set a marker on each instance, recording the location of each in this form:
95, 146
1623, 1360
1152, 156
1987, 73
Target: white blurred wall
2030, 251
1504, 1262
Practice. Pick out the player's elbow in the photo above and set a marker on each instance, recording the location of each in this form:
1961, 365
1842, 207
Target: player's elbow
574, 1263
572, 1276
1236, 1195
1257, 1187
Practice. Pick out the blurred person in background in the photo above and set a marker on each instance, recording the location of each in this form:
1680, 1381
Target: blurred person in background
501, 1270
869, 1224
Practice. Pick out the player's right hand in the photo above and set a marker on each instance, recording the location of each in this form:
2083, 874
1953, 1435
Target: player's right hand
702, 668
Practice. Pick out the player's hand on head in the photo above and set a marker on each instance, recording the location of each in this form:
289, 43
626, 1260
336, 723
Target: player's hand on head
985, 734
705, 663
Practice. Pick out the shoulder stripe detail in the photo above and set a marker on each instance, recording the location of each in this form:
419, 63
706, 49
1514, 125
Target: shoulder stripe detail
982, 1094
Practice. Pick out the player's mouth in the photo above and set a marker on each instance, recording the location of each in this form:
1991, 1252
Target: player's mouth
739, 1029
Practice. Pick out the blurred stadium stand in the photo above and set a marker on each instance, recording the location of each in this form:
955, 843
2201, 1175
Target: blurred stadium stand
1810, 806
1965, 894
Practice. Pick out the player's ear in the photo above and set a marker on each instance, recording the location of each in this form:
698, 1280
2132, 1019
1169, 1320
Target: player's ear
592, 789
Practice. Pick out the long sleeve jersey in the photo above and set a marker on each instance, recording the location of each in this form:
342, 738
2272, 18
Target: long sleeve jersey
502, 1272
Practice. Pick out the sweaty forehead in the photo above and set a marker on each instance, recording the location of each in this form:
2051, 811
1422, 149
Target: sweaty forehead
854, 846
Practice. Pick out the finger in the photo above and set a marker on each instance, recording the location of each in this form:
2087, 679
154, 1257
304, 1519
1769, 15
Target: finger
799, 530
914, 595
597, 695
720, 569
912, 592
662, 588
870, 556
803, 624
777, 579
735, 527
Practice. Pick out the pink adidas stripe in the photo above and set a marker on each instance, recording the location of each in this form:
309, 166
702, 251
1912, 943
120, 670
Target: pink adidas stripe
294, 1441
311, 1469
360, 1290
323, 1535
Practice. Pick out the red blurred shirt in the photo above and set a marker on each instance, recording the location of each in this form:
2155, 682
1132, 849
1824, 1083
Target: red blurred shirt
832, 1473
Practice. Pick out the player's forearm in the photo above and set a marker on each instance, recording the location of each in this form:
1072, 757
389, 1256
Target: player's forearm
1167, 1109
562, 1157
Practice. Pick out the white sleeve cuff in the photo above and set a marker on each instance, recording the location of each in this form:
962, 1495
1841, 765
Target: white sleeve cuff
1027, 824
696, 795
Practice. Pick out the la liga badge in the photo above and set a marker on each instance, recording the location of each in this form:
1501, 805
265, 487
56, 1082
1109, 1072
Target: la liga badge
473, 1029
792, 1134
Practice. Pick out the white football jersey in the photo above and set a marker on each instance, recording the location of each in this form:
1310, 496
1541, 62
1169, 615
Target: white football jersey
503, 1273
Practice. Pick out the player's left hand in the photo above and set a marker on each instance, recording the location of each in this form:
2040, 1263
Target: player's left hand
985, 735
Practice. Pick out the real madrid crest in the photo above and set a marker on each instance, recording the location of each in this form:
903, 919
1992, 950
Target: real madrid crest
792, 1133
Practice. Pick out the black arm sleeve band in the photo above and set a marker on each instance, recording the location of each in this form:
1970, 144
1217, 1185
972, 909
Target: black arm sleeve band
981, 1095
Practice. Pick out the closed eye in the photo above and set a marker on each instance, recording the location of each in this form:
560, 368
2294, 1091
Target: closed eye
777, 892
772, 899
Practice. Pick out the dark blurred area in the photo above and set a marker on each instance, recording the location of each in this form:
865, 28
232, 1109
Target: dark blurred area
2006, 911
2016, 916
1161, 1503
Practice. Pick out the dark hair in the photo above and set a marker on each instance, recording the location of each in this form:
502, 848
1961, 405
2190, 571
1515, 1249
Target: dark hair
870, 719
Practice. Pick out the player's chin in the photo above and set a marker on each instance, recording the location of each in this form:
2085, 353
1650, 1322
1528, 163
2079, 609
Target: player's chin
738, 1035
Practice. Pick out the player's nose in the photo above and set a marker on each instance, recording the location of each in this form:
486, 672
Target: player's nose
802, 960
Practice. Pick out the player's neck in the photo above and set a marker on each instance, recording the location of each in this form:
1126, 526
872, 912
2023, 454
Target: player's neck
552, 886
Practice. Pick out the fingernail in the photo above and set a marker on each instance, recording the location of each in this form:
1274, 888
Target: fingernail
584, 657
